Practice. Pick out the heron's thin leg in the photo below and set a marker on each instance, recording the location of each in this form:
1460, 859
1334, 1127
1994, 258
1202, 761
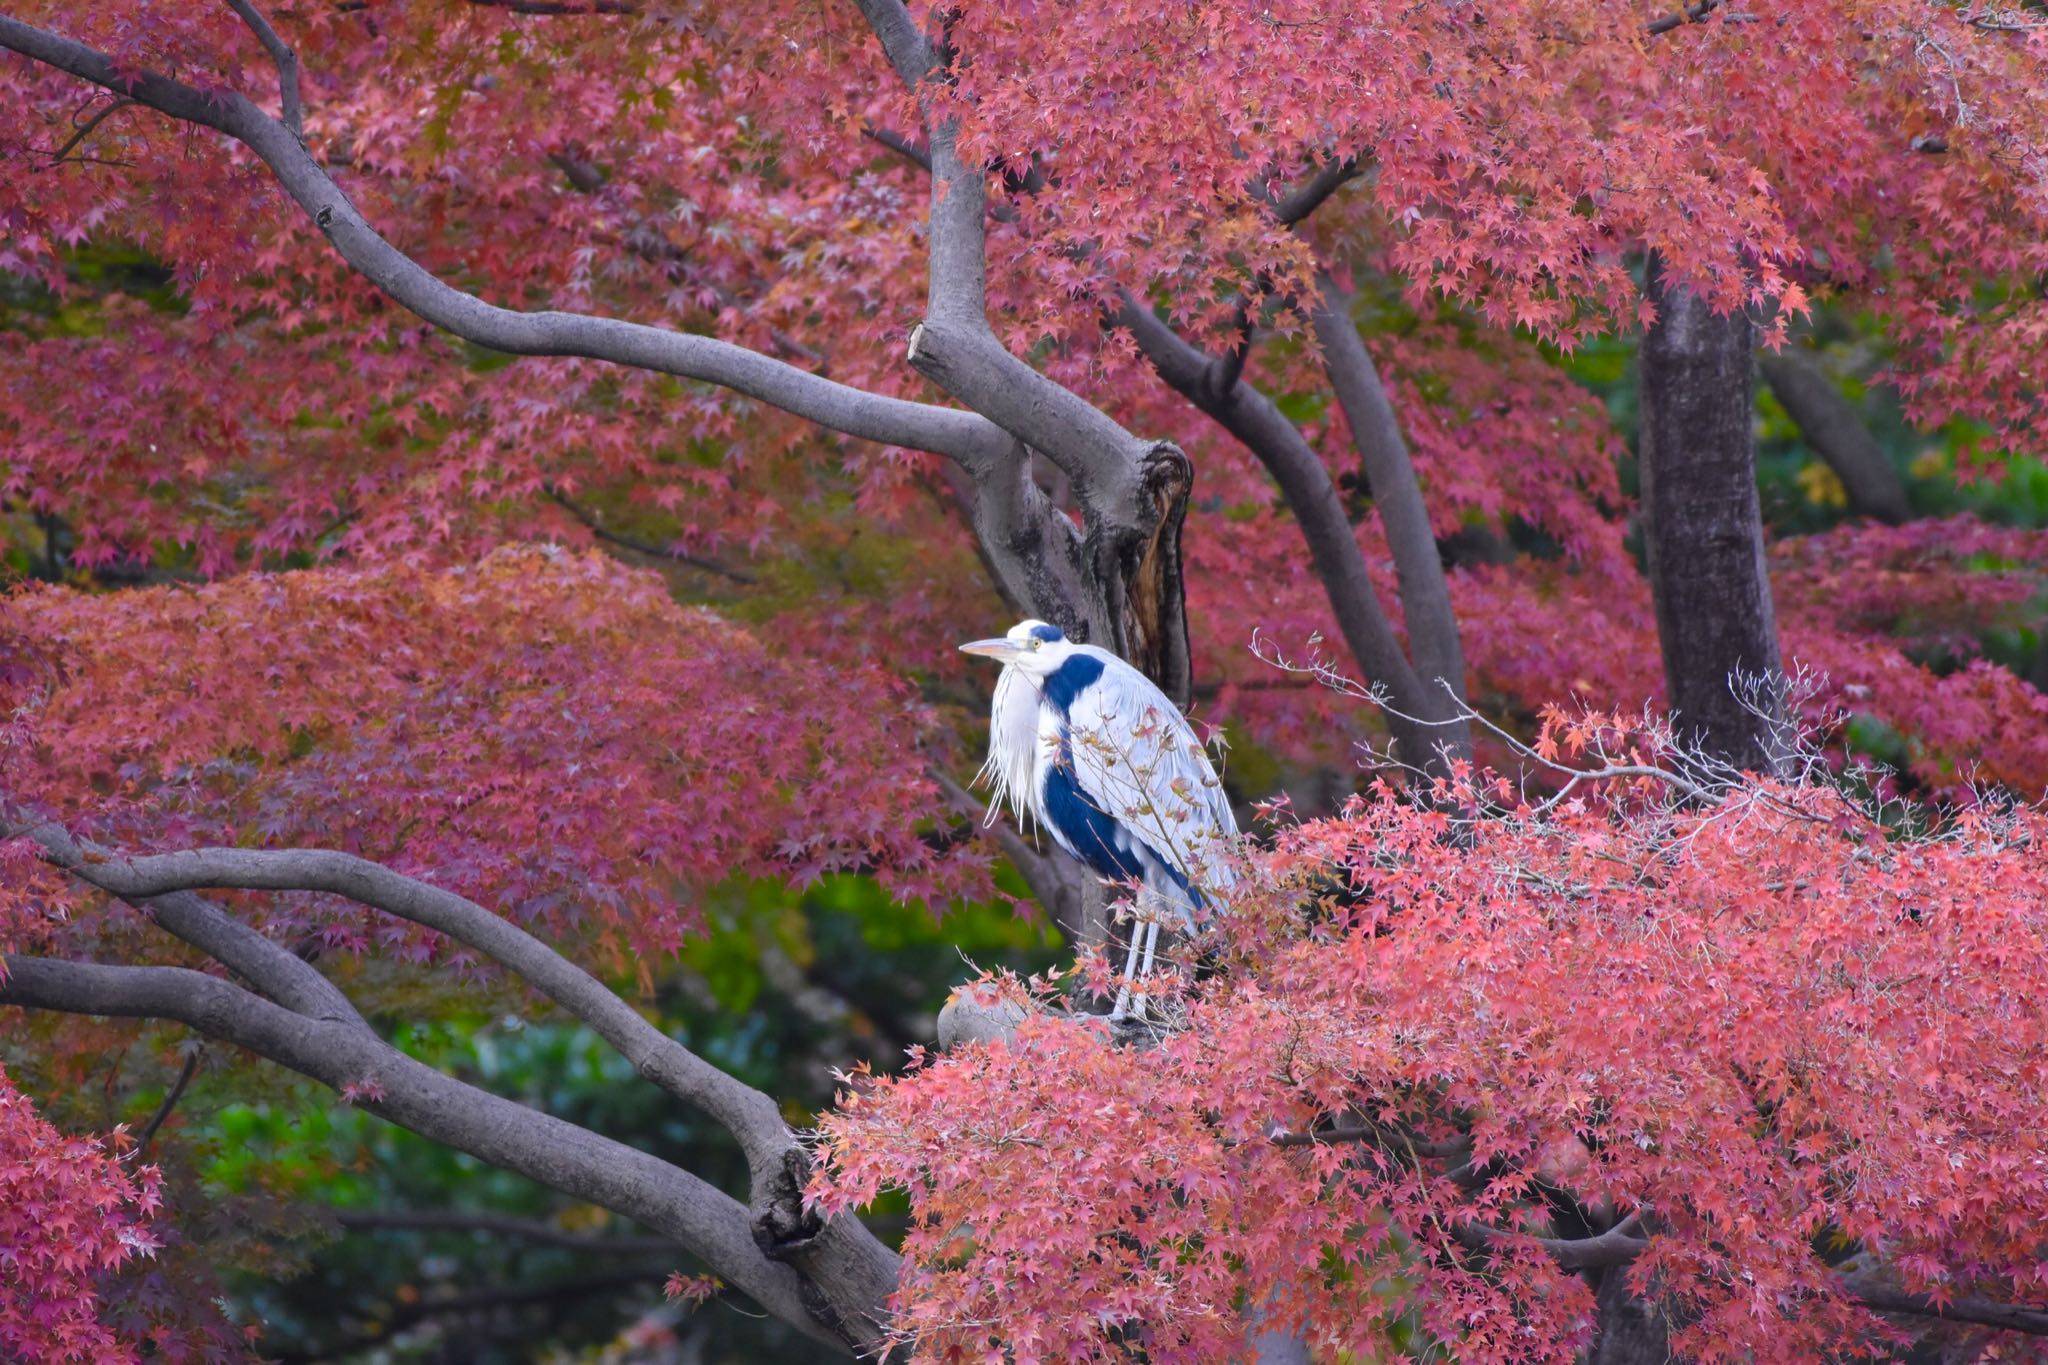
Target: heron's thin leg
1123, 996
1149, 931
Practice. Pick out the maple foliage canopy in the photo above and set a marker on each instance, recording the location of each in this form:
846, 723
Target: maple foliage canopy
347, 330
1710, 1039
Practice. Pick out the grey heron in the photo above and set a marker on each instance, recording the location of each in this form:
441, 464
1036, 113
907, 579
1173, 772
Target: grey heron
1085, 745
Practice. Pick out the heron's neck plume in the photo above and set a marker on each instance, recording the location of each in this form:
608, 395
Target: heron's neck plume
1011, 769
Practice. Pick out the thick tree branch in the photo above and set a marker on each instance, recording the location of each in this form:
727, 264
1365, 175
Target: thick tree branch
1252, 418
1873, 1293
753, 1119
964, 436
385, 1082
851, 1271
1133, 492
1376, 432
902, 41
284, 59
1835, 430
1326, 182
272, 969
955, 348
1617, 1246
170, 1101
1691, 14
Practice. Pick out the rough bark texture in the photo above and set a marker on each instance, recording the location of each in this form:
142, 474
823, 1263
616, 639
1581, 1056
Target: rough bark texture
1836, 431
1704, 529
1629, 1331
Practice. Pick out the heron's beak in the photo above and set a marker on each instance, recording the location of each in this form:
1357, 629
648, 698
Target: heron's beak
991, 649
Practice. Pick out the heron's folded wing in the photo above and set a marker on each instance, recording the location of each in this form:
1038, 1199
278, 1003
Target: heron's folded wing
1137, 761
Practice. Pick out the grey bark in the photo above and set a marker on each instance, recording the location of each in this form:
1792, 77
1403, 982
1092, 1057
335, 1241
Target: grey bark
847, 1272
393, 1086
1628, 1330
1390, 469
1837, 433
1705, 531
1134, 492
1426, 729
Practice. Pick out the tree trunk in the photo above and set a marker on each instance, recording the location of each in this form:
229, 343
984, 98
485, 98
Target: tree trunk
1705, 531
1627, 1330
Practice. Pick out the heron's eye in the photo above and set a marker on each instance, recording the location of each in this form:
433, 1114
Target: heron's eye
1035, 642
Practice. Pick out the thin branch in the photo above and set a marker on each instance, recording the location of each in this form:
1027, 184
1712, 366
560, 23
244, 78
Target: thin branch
106, 112
284, 59
964, 436
916, 155
171, 1098
595, 525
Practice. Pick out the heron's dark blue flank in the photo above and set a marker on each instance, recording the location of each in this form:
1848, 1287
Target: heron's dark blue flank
1109, 850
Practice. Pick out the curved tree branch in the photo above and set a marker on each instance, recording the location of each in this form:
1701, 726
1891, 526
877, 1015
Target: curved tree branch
753, 1119
1252, 418
964, 436
1390, 469
284, 59
1836, 431
384, 1081
272, 969
850, 1272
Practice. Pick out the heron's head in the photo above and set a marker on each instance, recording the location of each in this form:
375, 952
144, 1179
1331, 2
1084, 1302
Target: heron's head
1031, 647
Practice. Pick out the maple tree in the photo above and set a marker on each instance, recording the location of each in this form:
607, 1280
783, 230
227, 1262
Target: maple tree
1162, 324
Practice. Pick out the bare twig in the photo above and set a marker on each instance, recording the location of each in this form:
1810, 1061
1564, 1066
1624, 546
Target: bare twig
85, 131
171, 1098
595, 525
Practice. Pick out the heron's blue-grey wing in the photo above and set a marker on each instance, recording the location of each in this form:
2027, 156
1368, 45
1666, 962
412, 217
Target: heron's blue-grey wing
1135, 758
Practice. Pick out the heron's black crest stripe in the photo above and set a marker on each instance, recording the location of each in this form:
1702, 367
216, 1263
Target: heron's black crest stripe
1049, 634
1071, 679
